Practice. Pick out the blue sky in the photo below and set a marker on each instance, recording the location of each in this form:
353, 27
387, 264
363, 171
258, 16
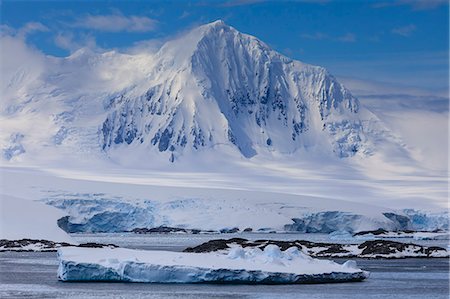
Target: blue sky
399, 42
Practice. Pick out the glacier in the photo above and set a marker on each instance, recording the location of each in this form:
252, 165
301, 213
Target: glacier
90, 213
240, 265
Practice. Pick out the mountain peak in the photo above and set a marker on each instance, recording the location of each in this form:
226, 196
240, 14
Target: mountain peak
216, 24
215, 29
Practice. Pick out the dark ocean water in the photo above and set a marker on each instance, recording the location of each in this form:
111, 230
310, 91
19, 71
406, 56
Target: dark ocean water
33, 275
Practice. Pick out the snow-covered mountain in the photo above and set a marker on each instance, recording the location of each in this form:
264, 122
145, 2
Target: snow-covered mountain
216, 86
212, 89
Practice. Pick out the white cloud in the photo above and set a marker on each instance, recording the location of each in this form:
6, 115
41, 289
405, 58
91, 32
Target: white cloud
116, 23
404, 30
20, 65
24, 31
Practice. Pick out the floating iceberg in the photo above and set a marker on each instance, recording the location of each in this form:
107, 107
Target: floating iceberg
240, 265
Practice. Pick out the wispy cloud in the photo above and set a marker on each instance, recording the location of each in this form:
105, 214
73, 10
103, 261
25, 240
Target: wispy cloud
30, 28
241, 2
116, 23
315, 36
25, 30
347, 38
68, 41
404, 30
184, 15
232, 3
414, 4
379, 95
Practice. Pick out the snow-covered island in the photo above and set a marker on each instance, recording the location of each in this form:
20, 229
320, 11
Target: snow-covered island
368, 249
239, 265
405, 234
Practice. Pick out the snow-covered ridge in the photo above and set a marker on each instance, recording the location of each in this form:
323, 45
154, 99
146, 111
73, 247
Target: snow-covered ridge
213, 88
271, 266
216, 86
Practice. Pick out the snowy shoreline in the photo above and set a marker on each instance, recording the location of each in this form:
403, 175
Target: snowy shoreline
369, 249
382, 249
33, 245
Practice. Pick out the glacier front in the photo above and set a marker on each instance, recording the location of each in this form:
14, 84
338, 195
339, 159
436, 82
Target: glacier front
240, 265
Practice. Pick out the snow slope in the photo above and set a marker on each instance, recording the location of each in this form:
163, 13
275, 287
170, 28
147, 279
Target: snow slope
27, 219
239, 266
122, 203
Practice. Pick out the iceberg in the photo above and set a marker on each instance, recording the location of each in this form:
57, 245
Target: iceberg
239, 265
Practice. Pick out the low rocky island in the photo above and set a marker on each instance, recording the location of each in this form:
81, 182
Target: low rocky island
367, 249
34, 245
436, 234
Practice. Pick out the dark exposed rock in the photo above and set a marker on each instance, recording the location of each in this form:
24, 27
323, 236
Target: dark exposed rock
377, 232
215, 245
97, 245
381, 247
229, 230
248, 229
431, 249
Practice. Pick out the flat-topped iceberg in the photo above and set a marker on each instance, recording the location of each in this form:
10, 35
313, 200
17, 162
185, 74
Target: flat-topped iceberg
240, 265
